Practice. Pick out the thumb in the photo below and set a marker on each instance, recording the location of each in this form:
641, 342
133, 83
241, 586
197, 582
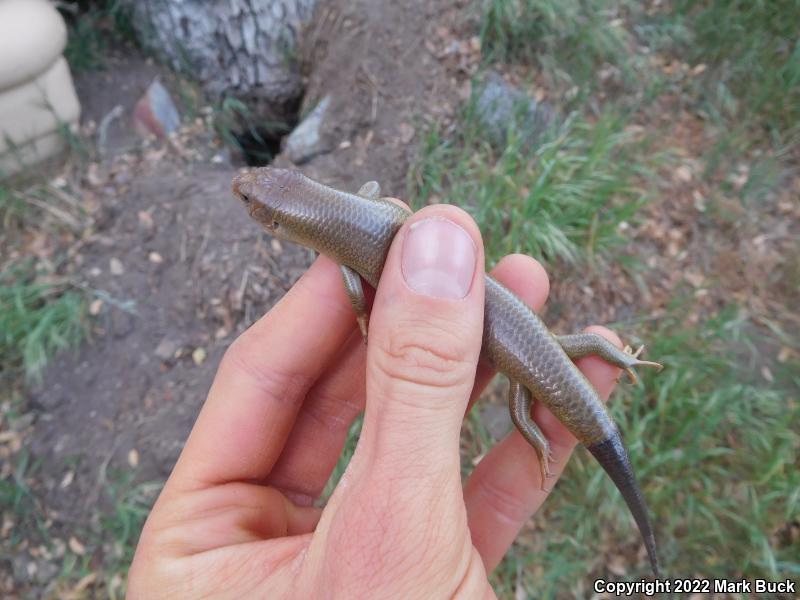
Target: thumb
424, 341
398, 514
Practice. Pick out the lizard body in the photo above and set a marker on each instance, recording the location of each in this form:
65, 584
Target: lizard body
356, 230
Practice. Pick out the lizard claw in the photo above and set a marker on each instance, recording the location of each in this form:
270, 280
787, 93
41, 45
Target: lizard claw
362, 326
635, 362
546, 459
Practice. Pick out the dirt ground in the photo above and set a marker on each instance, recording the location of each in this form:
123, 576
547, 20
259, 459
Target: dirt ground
176, 267
176, 270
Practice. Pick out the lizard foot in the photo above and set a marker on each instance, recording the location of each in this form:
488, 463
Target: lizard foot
585, 344
545, 460
633, 361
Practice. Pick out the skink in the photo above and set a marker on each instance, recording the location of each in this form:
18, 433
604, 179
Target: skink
356, 231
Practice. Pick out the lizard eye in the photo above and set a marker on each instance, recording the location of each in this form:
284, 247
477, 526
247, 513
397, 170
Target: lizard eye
275, 224
245, 198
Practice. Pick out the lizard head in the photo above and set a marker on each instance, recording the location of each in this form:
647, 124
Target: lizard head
284, 203
256, 190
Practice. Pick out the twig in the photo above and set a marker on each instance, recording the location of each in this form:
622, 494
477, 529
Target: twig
56, 212
102, 129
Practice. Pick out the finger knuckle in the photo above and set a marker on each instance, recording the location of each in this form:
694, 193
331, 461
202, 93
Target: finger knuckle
436, 361
504, 501
273, 382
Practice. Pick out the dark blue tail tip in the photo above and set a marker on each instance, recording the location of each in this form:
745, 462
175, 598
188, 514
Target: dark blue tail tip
613, 457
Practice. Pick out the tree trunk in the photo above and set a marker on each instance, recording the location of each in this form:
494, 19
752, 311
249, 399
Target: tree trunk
241, 48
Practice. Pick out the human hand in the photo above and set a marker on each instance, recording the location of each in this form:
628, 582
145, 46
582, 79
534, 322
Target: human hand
237, 517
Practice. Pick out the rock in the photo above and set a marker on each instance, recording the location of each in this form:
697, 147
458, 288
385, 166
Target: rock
115, 266
199, 355
155, 112
496, 419
32, 36
37, 97
305, 142
121, 323
19, 566
166, 349
501, 106
46, 571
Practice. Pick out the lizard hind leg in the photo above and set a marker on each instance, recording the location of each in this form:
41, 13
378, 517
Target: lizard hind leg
519, 404
584, 344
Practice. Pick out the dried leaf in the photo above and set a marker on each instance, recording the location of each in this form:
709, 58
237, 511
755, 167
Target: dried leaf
66, 481
683, 173
146, 219
95, 306
76, 546
84, 583
199, 355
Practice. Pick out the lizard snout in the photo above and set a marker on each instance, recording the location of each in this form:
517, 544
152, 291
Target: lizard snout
242, 187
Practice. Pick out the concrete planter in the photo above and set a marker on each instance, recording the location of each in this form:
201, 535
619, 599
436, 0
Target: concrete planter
37, 97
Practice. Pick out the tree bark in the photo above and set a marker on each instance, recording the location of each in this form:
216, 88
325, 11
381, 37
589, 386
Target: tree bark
247, 49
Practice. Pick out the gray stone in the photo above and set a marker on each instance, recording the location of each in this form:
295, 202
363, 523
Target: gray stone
500, 107
167, 348
156, 112
46, 571
305, 142
121, 323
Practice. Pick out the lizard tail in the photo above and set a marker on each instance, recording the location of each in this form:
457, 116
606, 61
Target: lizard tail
613, 457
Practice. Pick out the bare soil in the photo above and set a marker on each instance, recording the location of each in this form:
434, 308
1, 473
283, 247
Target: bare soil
177, 268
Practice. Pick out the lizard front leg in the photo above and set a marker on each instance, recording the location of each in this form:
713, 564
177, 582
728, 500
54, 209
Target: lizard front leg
355, 292
578, 345
352, 280
519, 404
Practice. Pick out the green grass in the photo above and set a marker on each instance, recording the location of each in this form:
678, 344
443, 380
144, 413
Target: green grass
715, 450
19, 502
568, 39
564, 201
40, 311
347, 453
93, 29
749, 49
122, 523
712, 441
36, 319
108, 546
14, 210
752, 50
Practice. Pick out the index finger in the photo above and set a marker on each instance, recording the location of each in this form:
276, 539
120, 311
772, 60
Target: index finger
262, 381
